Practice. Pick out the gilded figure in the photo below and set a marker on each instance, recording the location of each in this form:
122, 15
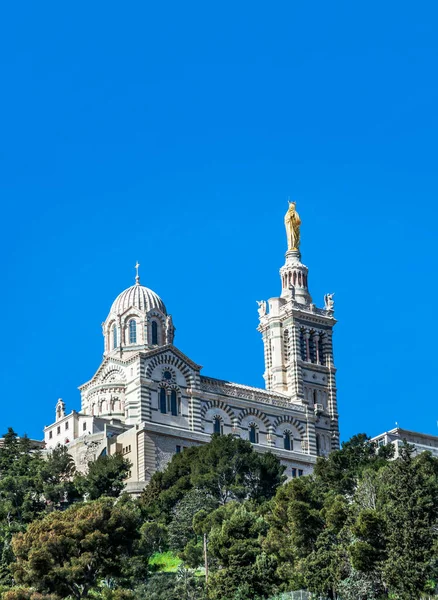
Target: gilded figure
292, 222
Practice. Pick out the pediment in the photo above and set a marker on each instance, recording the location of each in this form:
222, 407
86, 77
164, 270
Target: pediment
170, 355
110, 371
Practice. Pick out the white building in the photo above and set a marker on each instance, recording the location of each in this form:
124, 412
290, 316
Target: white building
148, 400
397, 437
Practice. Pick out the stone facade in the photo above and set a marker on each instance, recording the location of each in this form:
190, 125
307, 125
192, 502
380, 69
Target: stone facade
148, 400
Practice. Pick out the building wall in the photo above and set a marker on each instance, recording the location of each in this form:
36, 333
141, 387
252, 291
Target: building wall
421, 441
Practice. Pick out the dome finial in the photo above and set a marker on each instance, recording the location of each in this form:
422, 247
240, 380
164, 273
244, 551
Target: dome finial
137, 276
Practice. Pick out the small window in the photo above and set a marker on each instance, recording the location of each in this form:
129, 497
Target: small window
50, 435
294, 472
253, 435
163, 407
84, 426
300, 472
167, 375
173, 403
58, 430
178, 449
217, 426
287, 441
132, 332
115, 336
154, 328
66, 425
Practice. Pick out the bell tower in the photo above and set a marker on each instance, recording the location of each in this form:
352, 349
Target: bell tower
297, 339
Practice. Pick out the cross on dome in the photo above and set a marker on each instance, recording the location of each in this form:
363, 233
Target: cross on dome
137, 276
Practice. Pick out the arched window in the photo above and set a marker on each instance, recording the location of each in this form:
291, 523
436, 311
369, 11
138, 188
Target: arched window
287, 442
132, 332
115, 336
217, 426
253, 434
173, 403
154, 328
163, 407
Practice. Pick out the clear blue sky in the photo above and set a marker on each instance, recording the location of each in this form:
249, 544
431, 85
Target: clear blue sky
172, 134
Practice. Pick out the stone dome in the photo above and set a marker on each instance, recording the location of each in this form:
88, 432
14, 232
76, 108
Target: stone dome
140, 297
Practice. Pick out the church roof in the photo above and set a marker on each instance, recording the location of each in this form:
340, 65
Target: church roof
137, 296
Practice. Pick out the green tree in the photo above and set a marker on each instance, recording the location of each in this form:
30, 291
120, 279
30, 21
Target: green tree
227, 468
235, 532
68, 552
341, 470
27, 594
57, 478
21, 491
324, 525
180, 529
105, 477
183, 585
408, 502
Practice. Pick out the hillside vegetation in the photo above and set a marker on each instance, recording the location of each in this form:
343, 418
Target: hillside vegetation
219, 523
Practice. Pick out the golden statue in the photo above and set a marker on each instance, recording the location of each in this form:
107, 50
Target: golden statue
292, 222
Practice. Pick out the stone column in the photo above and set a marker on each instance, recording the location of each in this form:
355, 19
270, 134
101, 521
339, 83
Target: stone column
316, 343
194, 410
332, 399
311, 432
294, 371
307, 338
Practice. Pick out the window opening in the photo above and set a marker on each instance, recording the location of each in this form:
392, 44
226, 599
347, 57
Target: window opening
253, 434
154, 333
173, 403
217, 426
163, 407
132, 332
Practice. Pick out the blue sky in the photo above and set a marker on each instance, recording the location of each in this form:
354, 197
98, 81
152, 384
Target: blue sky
172, 134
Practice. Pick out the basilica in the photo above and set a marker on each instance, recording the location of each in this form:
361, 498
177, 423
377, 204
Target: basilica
148, 400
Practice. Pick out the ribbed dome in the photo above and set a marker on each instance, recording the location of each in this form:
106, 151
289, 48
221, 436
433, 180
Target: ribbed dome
137, 296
